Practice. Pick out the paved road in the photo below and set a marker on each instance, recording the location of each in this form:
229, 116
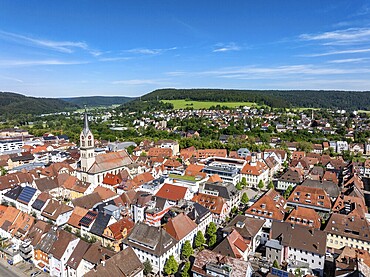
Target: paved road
7, 271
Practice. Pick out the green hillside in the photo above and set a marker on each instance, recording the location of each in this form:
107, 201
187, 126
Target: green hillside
13, 103
349, 100
96, 101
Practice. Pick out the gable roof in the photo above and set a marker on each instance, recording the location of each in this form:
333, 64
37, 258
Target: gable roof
151, 239
60, 245
180, 226
87, 201
305, 217
77, 214
77, 254
270, 205
172, 192
303, 238
96, 253
232, 245
115, 267
247, 227
100, 223
46, 184
108, 161
214, 204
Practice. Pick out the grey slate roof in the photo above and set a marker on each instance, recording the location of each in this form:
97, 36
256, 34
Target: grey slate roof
330, 188
153, 240
299, 237
14, 193
100, 224
250, 228
226, 190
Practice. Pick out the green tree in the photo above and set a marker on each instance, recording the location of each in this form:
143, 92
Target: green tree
187, 250
245, 198
171, 266
288, 191
239, 186
244, 182
271, 185
260, 184
211, 229
276, 264
212, 240
185, 270
147, 267
3, 171
199, 240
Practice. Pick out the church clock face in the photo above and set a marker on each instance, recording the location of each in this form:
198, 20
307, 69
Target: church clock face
89, 137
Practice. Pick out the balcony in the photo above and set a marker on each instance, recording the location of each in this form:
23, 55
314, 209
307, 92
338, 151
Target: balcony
25, 248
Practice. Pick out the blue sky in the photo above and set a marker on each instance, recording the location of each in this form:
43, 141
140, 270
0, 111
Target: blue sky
76, 48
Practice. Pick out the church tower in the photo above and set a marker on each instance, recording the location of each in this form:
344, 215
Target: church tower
87, 148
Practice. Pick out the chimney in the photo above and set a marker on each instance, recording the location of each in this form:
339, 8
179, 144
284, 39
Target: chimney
103, 260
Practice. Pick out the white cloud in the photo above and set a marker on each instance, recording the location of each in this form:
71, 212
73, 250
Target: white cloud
137, 82
11, 79
277, 72
226, 47
148, 51
355, 60
6, 63
339, 52
340, 37
59, 46
114, 59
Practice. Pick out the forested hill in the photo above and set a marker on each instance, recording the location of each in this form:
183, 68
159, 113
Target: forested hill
13, 103
349, 100
96, 101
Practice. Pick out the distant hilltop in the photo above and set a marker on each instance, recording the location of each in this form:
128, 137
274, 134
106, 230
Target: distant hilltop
331, 99
14, 103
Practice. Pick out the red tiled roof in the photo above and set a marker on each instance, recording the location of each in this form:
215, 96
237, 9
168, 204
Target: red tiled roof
214, 203
172, 192
270, 205
180, 226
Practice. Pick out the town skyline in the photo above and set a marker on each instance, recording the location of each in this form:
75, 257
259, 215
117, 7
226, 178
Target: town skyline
81, 49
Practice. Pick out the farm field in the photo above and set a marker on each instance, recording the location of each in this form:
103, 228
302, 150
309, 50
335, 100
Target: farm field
183, 104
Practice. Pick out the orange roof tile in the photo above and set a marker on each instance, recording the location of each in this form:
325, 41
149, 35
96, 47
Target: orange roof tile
180, 226
270, 205
172, 192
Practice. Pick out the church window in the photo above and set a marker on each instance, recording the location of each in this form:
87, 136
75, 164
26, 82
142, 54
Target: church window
90, 143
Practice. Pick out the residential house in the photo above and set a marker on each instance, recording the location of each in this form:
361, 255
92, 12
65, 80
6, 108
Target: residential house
60, 252
297, 243
115, 267
57, 212
95, 255
74, 261
209, 263
215, 204
304, 217
269, 207
181, 228
309, 197
251, 229
153, 244
348, 230
292, 177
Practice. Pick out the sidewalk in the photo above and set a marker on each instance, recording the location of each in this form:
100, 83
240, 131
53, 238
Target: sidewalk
12, 268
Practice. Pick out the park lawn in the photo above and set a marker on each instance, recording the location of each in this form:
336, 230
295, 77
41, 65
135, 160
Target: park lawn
183, 104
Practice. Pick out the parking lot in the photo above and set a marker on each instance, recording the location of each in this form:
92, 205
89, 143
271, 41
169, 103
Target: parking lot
28, 269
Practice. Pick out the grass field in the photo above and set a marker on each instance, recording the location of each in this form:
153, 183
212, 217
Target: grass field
183, 104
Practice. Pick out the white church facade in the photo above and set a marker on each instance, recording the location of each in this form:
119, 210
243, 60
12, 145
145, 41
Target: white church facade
93, 167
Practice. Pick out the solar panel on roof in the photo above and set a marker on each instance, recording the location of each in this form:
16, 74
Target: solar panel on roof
26, 194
